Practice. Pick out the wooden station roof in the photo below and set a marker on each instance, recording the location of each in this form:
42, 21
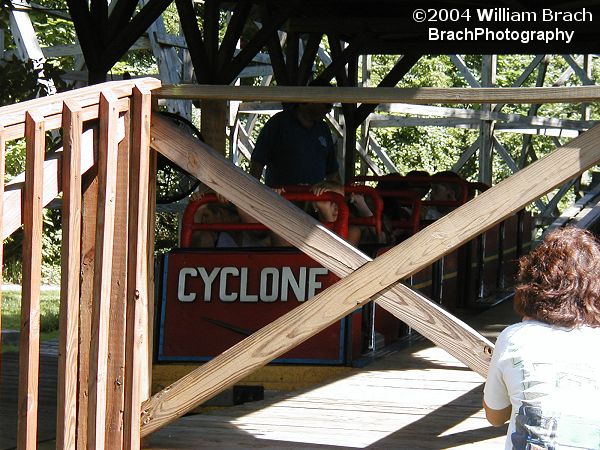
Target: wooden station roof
365, 26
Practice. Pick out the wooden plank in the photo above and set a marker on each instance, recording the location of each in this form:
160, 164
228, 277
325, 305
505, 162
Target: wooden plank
213, 124
107, 174
54, 121
87, 96
383, 95
66, 419
12, 217
145, 388
198, 51
116, 338
89, 209
440, 238
29, 348
137, 270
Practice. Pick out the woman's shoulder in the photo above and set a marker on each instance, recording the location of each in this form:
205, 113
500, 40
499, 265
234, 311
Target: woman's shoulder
528, 331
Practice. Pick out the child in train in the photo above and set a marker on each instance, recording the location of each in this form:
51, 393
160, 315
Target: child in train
444, 191
327, 211
227, 213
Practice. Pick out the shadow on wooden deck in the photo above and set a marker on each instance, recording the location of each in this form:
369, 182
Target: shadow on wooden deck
415, 397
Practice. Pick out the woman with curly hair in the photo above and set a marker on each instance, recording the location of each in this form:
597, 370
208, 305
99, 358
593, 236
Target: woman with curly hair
545, 372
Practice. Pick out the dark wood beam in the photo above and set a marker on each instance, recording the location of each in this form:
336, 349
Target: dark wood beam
278, 60
308, 58
120, 15
349, 110
337, 54
210, 25
349, 52
239, 18
99, 14
125, 37
198, 54
82, 19
401, 68
259, 40
292, 55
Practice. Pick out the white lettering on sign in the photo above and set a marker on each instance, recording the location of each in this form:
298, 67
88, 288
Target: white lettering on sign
274, 284
181, 295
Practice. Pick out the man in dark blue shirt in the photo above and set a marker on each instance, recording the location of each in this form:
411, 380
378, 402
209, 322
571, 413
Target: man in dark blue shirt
296, 147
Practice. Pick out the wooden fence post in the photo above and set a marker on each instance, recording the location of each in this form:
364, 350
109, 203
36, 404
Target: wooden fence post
137, 269
66, 419
29, 350
107, 181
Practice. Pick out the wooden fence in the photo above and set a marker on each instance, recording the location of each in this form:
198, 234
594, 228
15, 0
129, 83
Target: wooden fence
105, 174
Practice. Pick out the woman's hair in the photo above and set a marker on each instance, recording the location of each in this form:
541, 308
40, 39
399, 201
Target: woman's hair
559, 281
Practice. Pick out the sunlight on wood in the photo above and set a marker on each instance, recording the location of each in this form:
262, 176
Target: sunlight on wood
386, 405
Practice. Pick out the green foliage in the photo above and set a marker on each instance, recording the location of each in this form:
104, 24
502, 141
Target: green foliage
49, 310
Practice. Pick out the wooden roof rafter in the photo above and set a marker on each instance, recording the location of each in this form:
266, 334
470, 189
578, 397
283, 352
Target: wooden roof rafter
104, 37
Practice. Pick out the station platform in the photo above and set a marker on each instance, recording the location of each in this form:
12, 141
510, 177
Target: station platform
412, 396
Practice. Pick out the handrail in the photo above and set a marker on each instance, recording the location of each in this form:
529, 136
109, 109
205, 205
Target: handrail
189, 225
421, 95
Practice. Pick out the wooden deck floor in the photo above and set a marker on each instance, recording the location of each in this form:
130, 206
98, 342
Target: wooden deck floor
417, 397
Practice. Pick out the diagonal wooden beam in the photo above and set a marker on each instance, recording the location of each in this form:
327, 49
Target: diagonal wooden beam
308, 58
120, 15
125, 37
196, 47
233, 33
277, 59
379, 277
82, 20
401, 68
258, 41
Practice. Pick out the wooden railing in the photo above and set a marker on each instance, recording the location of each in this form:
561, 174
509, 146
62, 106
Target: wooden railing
103, 345
107, 247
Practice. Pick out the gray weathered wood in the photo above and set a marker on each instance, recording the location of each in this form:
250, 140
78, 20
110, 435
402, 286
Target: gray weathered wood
383, 95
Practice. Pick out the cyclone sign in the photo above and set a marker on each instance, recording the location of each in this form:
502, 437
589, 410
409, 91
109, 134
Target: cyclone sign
212, 299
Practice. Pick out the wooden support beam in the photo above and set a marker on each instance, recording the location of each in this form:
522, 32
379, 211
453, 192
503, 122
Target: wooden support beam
121, 13
278, 64
115, 397
66, 420
307, 60
440, 238
421, 96
401, 68
198, 52
29, 345
213, 124
137, 270
210, 30
258, 41
105, 223
292, 51
84, 27
125, 37
233, 33
353, 49
341, 57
